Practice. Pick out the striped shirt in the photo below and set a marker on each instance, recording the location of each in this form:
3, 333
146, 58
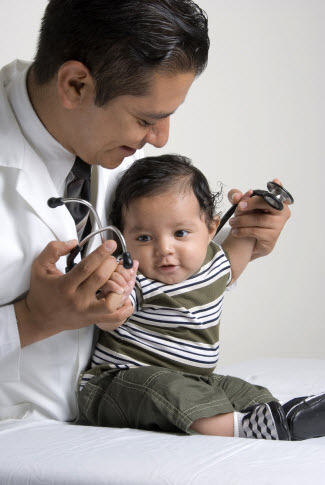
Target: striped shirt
174, 326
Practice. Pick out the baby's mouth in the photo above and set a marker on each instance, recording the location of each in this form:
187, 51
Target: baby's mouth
167, 267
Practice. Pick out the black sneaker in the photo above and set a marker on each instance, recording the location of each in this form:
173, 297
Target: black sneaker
306, 416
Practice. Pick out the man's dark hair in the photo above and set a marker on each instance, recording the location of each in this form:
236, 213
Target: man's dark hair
122, 42
155, 175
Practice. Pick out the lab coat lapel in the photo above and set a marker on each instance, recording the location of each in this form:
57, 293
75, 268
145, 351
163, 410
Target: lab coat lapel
35, 185
99, 177
100, 192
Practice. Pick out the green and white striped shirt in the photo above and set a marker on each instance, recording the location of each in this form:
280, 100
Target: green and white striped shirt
174, 326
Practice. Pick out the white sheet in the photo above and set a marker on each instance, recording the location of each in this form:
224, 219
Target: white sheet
51, 453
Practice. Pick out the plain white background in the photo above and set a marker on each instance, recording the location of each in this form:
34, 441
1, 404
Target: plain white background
256, 113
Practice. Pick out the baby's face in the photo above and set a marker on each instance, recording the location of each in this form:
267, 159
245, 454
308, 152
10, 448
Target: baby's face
168, 235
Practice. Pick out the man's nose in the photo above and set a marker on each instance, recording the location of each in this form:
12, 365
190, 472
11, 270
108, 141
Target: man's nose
158, 134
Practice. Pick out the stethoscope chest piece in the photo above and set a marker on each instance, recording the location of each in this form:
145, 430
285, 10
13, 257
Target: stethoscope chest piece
280, 193
275, 196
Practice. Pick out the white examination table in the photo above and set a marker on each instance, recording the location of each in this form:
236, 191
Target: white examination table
52, 453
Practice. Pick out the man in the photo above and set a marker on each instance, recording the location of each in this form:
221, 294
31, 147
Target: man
106, 77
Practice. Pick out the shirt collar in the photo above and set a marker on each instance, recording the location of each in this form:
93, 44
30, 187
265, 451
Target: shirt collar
57, 159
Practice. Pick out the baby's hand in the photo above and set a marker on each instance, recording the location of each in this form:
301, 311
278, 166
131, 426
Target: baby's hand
121, 282
117, 290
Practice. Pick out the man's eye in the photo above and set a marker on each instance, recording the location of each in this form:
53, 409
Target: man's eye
144, 123
144, 238
181, 233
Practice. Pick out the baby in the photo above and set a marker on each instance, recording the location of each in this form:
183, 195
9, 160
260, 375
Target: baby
155, 371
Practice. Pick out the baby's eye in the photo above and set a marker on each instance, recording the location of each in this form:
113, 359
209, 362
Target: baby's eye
144, 238
181, 233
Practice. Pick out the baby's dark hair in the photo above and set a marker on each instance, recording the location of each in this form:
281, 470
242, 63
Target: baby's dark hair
155, 175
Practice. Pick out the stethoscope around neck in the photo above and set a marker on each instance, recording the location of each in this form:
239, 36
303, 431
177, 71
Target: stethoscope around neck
275, 196
126, 257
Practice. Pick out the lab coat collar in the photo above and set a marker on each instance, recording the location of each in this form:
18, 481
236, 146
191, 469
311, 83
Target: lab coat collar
34, 183
56, 157
11, 139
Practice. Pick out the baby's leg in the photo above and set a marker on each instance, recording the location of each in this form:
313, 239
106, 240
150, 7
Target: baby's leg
219, 425
299, 419
257, 414
156, 398
261, 421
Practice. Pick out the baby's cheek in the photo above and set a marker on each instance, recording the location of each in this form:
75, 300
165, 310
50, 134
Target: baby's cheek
196, 259
145, 263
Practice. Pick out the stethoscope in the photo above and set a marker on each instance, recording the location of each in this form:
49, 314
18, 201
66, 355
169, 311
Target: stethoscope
275, 196
126, 257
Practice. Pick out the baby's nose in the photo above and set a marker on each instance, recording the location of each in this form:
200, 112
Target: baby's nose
164, 247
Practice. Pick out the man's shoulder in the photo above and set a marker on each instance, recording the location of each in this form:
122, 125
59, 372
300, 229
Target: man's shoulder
11, 139
9, 71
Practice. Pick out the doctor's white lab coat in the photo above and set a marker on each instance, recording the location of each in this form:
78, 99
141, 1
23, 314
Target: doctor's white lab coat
39, 380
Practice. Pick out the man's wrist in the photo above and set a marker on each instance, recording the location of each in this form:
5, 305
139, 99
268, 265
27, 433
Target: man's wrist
29, 331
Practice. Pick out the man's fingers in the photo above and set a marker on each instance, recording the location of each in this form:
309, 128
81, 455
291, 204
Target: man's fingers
53, 252
124, 312
253, 219
268, 219
81, 272
118, 317
259, 233
98, 277
109, 327
253, 204
113, 301
234, 196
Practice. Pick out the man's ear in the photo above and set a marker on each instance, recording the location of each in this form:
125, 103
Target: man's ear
74, 84
213, 226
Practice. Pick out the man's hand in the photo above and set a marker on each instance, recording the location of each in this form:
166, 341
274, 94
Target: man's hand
255, 218
57, 301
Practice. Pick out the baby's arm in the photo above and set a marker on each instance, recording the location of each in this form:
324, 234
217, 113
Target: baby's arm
239, 250
239, 253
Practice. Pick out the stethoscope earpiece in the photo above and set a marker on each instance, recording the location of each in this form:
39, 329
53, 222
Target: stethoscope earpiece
54, 202
126, 256
127, 260
275, 196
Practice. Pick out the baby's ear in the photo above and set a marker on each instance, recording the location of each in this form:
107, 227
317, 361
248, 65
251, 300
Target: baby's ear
213, 226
